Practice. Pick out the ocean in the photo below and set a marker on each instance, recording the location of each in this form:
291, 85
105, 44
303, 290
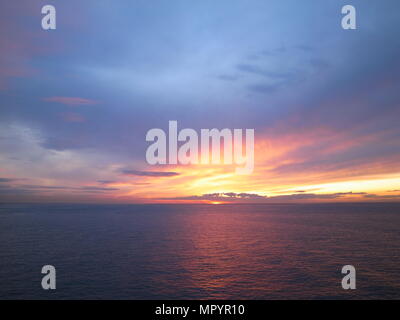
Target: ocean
241, 251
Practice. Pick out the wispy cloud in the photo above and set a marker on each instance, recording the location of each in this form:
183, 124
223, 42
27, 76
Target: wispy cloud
149, 173
262, 72
71, 101
106, 181
40, 189
2, 180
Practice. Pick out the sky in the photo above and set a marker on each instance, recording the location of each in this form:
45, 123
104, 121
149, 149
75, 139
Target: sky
76, 102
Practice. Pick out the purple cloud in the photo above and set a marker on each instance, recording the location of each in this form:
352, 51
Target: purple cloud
149, 173
71, 101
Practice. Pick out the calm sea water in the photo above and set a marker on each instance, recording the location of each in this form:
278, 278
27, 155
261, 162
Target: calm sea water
200, 251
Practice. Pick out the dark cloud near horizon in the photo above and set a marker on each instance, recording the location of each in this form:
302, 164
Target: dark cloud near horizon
250, 197
149, 173
7, 180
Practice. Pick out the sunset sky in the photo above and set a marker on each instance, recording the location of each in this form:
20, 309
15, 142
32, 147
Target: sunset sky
76, 102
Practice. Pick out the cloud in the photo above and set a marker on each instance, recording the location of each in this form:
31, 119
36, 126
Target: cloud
305, 48
256, 198
73, 117
274, 52
18, 43
62, 144
269, 81
263, 88
149, 173
2, 180
40, 189
83, 188
305, 191
71, 101
318, 63
383, 197
227, 77
262, 72
93, 188
106, 181
231, 196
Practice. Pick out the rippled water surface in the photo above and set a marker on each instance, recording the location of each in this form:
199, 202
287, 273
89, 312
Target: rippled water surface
200, 251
